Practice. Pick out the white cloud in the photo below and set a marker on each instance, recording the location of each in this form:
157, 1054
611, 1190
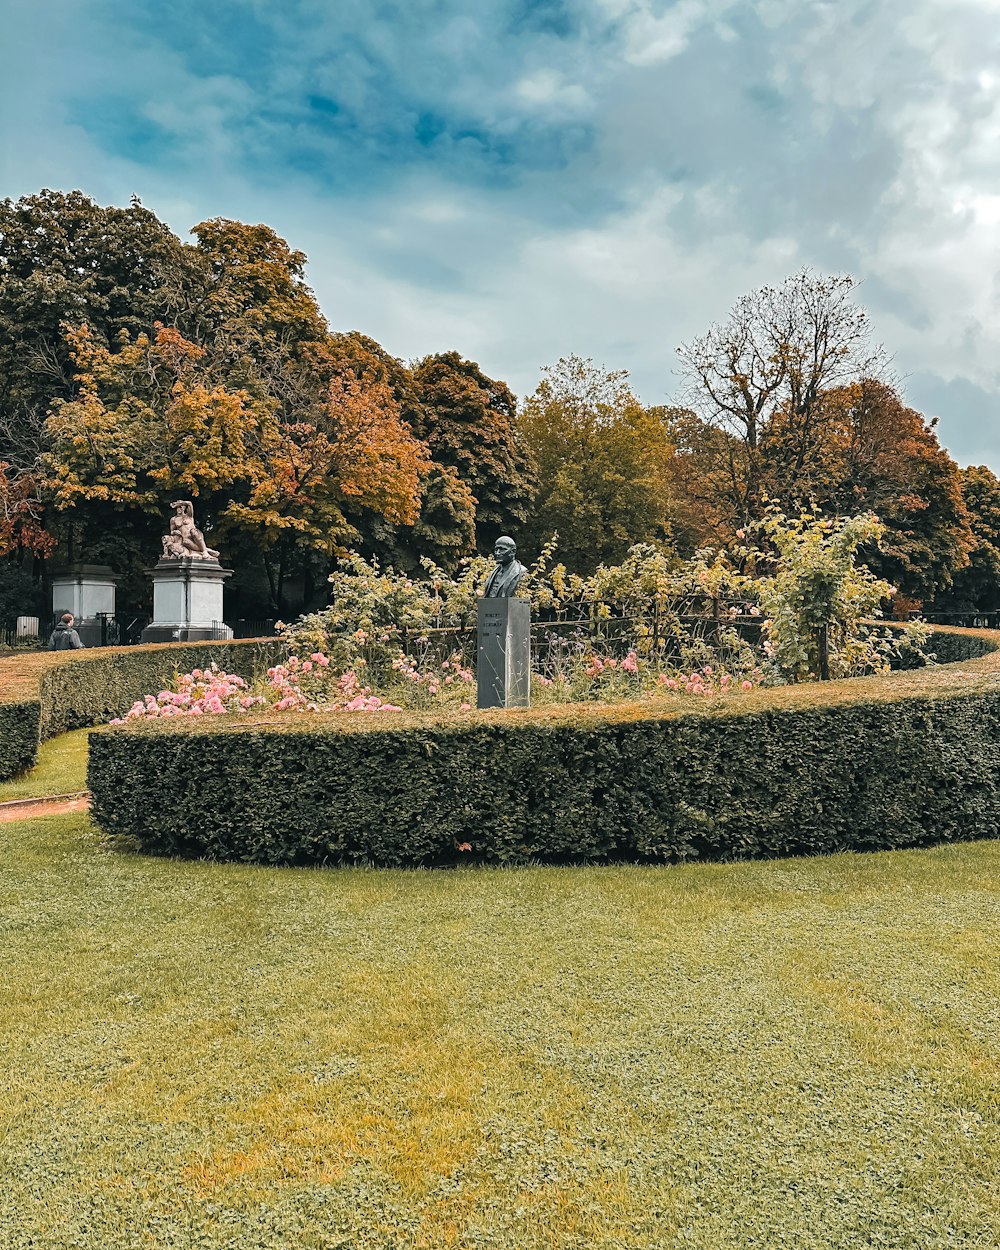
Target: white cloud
653, 33
546, 88
731, 143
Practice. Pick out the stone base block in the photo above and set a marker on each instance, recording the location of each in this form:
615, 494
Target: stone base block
87, 590
187, 601
186, 633
503, 660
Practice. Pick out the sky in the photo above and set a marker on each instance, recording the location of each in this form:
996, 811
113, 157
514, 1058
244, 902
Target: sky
520, 180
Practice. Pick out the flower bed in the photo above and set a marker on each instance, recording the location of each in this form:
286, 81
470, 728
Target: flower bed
47, 693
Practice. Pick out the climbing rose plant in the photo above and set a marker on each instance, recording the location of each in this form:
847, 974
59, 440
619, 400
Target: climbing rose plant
816, 585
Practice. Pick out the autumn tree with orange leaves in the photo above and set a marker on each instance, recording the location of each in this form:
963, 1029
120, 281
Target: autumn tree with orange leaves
790, 402
21, 510
148, 424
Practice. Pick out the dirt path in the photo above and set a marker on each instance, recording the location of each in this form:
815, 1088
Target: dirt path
26, 809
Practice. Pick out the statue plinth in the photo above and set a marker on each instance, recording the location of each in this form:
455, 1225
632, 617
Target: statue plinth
187, 600
503, 664
88, 591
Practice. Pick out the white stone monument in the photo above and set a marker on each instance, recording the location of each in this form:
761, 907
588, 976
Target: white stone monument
88, 591
187, 584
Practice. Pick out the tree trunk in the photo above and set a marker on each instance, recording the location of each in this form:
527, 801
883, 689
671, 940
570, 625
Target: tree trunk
823, 639
272, 585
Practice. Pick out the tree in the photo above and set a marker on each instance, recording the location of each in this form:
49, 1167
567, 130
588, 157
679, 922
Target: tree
977, 586
147, 423
885, 457
760, 380
789, 403
603, 464
133, 365
467, 421
64, 258
444, 530
819, 596
21, 510
256, 315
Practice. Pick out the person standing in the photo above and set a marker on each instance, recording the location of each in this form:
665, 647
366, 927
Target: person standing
64, 637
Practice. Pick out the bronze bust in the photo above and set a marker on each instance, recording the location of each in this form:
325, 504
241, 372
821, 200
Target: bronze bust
506, 577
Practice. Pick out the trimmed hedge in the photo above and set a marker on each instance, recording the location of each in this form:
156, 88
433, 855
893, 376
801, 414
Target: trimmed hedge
866, 764
45, 693
18, 736
955, 646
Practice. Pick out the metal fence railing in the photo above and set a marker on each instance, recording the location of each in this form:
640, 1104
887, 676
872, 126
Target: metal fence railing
119, 629
662, 633
967, 620
244, 627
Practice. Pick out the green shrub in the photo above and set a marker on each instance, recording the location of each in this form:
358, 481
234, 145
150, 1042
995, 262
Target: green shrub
955, 646
46, 694
18, 736
862, 764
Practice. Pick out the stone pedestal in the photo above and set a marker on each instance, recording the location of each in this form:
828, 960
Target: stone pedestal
187, 601
87, 590
503, 653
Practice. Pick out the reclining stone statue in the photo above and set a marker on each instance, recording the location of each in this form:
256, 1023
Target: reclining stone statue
185, 541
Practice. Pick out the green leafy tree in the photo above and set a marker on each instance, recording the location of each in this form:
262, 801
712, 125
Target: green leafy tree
257, 317
467, 421
977, 586
66, 259
603, 464
818, 595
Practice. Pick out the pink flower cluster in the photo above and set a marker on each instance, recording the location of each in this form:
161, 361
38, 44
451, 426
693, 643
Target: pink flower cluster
299, 685
431, 680
597, 665
201, 692
306, 686
703, 682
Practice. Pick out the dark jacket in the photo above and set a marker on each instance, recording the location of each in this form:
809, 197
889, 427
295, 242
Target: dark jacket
504, 581
64, 638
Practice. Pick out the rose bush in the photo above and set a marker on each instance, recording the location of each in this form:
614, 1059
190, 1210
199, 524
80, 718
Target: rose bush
298, 685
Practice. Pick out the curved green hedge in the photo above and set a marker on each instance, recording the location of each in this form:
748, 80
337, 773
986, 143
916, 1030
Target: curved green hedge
45, 693
18, 737
866, 764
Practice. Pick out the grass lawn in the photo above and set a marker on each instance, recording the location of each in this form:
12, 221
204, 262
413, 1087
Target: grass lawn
787, 1054
61, 769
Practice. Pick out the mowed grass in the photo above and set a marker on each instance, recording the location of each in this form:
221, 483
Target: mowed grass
785, 1054
61, 769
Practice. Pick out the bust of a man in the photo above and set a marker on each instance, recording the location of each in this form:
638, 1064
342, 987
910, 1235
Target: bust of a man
506, 577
